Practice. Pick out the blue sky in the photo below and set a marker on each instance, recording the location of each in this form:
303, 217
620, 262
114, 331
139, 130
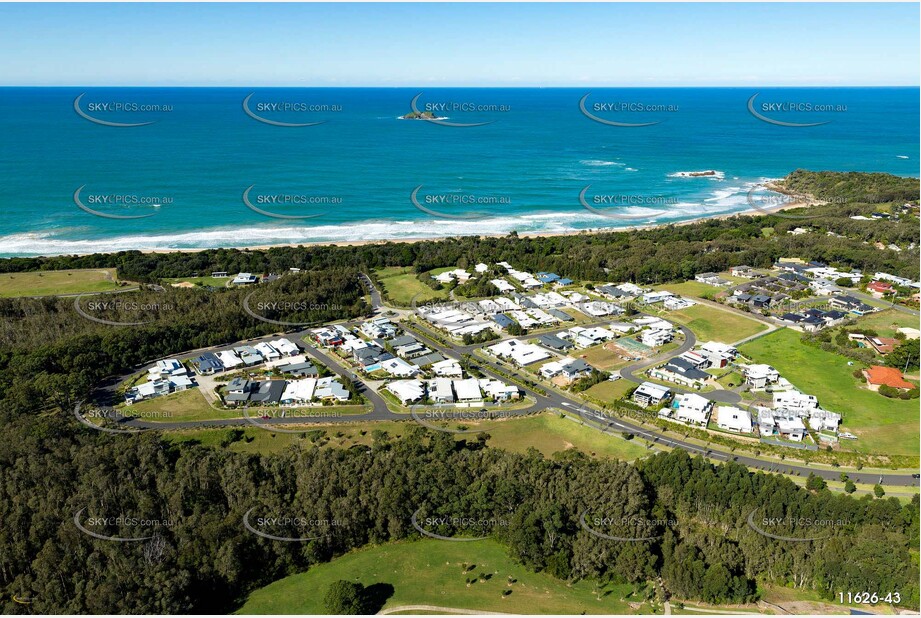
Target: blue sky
460, 44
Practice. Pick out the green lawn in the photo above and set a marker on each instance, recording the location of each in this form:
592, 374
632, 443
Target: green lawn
712, 324
401, 286
187, 405
217, 282
601, 358
883, 426
51, 282
690, 288
887, 322
610, 391
547, 432
431, 572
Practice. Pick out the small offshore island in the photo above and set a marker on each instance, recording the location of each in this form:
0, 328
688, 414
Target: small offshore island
422, 116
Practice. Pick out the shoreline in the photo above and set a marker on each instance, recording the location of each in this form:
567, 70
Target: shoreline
413, 240
587, 231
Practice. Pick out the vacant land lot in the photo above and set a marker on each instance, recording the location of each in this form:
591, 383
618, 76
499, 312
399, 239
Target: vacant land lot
887, 322
216, 282
712, 324
431, 572
187, 405
691, 288
610, 391
52, 282
549, 433
883, 426
401, 285
601, 357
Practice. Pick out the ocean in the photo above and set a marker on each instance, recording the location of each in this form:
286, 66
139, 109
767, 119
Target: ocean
216, 167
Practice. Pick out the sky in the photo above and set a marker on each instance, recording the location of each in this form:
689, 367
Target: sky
541, 44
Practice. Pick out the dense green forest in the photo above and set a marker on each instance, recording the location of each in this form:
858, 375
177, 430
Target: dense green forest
202, 559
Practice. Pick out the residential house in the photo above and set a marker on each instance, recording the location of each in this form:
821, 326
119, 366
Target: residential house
569, 368
718, 354
759, 376
407, 391
245, 279
467, 390
680, 371
555, 343
730, 418
650, 394
207, 364
448, 368
229, 359
267, 392
746, 272
889, 376
690, 409
440, 391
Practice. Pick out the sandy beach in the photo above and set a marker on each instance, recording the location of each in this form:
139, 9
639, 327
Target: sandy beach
357, 243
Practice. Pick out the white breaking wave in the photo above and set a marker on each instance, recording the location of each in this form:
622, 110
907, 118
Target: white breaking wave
600, 163
723, 201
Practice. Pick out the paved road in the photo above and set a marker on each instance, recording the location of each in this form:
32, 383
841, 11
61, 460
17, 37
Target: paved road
552, 399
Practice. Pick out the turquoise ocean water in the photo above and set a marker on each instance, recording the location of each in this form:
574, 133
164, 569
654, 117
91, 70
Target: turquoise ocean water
354, 173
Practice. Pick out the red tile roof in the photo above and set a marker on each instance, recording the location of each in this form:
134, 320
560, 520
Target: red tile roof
888, 376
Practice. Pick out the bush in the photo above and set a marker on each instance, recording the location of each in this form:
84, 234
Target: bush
345, 597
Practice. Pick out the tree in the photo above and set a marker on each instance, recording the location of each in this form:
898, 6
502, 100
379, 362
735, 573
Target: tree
879, 491
815, 483
849, 486
345, 597
905, 355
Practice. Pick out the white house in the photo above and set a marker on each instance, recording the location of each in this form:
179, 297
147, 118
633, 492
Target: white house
467, 390
692, 409
795, 400
399, 368
229, 359
649, 394
655, 337
759, 376
520, 353
448, 368
298, 392
407, 391
440, 390
735, 419
285, 347
267, 351
718, 354
499, 390
166, 368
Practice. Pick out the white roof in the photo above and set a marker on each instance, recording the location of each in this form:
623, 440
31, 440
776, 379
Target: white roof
398, 367
299, 390
229, 358
285, 346
692, 403
407, 390
266, 350
652, 390
440, 388
467, 389
481, 268
521, 353
734, 418
447, 367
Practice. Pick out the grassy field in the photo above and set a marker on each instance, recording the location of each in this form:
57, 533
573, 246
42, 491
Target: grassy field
887, 322
401, 286
690, 288
712, 324
610, 391
883, 426
51, 282
547, 432
216, 282
187, 405
601, 358
431, 572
